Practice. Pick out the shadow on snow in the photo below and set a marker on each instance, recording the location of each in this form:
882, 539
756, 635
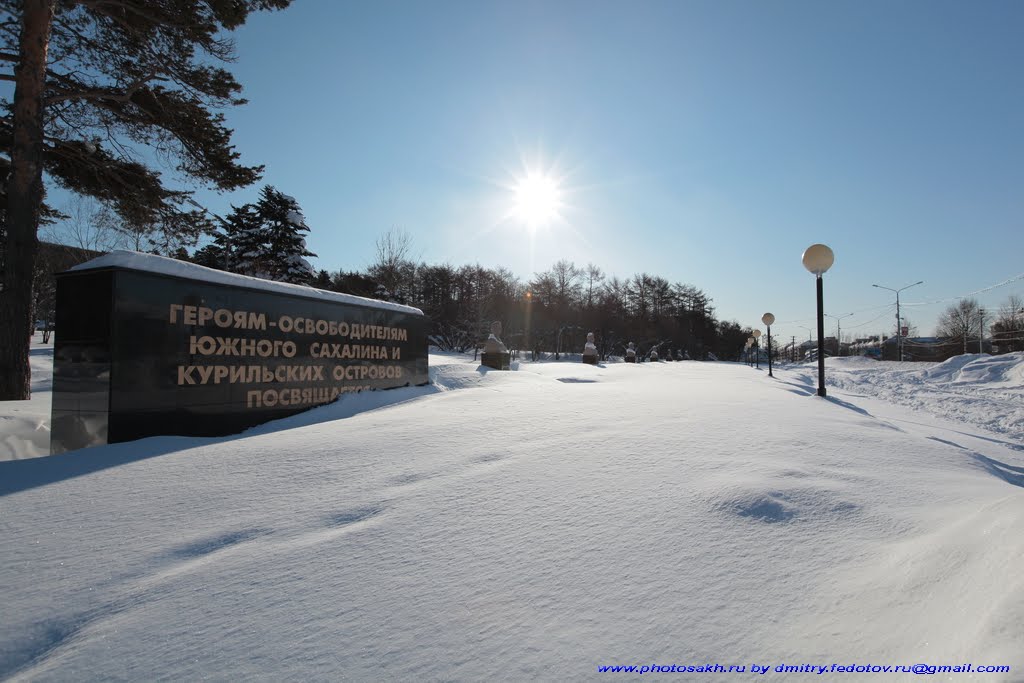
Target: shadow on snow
22, 475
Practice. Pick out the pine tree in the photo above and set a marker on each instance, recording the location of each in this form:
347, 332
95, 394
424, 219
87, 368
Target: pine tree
280, 218
264, 240
242, 243
322, 280
90, 76
211, 256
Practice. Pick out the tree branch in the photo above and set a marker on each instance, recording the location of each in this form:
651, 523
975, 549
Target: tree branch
104, 95
104, 7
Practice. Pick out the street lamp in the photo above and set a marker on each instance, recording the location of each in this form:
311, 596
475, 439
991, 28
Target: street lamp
839, 339
750, 342
899, 332
757, 354
768, 319
818, 258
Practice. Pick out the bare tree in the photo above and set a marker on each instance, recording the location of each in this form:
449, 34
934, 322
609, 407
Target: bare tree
961, 321
593, 276
544, 288
393, 266
638, 294
1008, 327
567, 286
393, 247
88, 225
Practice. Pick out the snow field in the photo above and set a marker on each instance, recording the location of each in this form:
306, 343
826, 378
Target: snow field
529, 525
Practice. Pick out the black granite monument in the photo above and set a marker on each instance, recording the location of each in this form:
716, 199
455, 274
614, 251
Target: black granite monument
148, 346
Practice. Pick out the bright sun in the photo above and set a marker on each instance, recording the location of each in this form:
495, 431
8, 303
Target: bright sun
537, 199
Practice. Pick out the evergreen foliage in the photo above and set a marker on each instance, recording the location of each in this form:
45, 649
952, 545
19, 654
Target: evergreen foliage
139, 71
263, 240
282, 221
95, 80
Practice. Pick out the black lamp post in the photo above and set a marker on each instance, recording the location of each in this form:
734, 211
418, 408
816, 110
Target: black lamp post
757, 349
768, 319
818, 258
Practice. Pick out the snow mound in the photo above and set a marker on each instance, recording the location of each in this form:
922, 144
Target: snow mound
25, 425
1008, 369
948, 370
25, 436
795, 504
976, 389
764, 507
456, 375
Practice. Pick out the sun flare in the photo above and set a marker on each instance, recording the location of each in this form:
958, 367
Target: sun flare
537, 199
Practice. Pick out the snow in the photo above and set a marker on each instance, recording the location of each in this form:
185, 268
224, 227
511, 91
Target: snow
25, 425
297, 264
980, 390
535, 525
134, 260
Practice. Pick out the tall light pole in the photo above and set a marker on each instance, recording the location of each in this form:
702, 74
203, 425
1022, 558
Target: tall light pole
899, 322
768, 319
981, 330
757, 349
839, 339
818, 258
809, 333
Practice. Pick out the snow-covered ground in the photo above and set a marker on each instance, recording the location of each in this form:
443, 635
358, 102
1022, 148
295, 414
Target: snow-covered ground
25, 425
535, 525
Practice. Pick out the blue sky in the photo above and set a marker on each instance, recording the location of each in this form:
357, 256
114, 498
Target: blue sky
708, 142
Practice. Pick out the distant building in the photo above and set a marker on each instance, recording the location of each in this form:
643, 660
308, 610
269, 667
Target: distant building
808, 349
931, 349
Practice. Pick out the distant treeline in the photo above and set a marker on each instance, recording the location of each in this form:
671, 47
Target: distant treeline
553, 312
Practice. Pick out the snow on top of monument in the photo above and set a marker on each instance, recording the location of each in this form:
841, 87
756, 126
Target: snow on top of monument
134, 260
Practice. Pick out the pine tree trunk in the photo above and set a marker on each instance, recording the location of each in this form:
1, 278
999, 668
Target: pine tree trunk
24, 199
